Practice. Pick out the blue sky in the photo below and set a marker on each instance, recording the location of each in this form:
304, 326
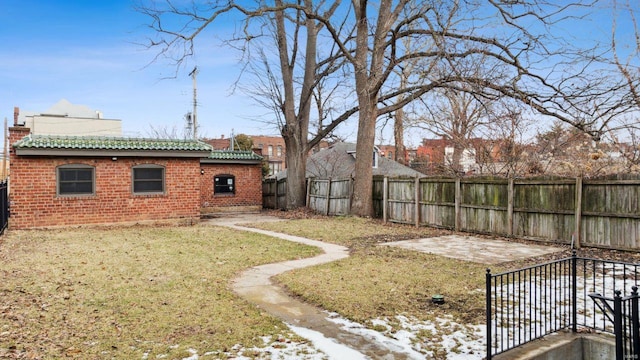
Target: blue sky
88, 52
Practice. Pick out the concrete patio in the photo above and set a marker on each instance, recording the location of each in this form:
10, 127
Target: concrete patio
476, 249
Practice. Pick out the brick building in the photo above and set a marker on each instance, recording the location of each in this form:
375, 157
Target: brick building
230, 181
72, 180
436, 155
388, 151
273, 150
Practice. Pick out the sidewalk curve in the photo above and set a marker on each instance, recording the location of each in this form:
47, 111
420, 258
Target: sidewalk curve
255, 285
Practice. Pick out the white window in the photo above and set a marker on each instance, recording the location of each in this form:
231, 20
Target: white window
270, 150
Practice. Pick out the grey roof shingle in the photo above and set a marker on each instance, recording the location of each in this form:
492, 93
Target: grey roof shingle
336, 162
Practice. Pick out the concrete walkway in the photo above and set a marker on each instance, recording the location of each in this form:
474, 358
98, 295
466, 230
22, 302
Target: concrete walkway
256, 286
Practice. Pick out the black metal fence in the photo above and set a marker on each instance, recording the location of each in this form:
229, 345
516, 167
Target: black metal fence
4, 205
624, 317
529, 303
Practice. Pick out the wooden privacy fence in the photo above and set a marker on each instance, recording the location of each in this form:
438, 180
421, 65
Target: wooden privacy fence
274, 193
326, 196
330, 196
597, 213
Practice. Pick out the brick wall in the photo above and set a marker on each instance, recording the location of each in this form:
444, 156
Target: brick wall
34, 202
248, 182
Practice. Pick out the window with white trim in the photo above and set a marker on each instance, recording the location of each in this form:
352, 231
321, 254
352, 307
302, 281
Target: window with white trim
148, 179
75, 180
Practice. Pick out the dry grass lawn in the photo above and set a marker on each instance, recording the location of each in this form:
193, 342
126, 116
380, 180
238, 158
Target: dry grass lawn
145, 292
127, 293
383, 281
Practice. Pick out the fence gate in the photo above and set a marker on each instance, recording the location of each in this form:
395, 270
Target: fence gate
4, 205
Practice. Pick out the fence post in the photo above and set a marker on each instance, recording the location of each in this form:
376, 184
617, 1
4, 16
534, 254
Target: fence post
457, 205
385, 199
351, 183
574, 291
275, 194
307, 198
617, 325
510, 207
488, 311
578, 212
326, 209
635, 322
417, 194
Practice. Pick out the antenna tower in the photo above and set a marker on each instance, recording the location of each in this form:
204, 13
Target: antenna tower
194, 116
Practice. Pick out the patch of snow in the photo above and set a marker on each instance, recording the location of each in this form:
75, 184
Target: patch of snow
328, 346
194, 355
540, 305
273, 350
442, 337
418, 339
391, 343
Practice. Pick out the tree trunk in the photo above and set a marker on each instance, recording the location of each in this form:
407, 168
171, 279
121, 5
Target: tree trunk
296, 171
456, 157
362, 203
295, 132
398, 137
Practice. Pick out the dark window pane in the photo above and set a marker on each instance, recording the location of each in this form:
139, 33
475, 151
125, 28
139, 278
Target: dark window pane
75, 181
147, 174
85, 175
147, 186
148, 180
224, 184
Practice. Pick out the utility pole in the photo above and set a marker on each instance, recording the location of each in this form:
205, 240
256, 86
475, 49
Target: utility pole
193, 74
4, 155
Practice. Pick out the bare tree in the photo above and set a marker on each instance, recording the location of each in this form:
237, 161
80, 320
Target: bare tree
518, 52
506, 151
625, 44
514, 42
291, 32
454, 116
165, 132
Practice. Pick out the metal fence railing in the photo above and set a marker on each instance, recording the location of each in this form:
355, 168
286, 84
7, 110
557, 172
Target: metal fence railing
624, 317
527, 304
4, 205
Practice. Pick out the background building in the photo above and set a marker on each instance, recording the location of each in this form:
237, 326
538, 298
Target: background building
65, 118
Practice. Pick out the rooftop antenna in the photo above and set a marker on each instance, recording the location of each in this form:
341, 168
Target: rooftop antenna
194, 116
188, 127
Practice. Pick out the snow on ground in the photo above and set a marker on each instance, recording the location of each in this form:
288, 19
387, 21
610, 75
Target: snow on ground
443, 338
525, 310
417, 339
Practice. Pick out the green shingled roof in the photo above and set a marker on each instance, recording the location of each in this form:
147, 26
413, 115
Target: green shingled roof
108, 143
234, 155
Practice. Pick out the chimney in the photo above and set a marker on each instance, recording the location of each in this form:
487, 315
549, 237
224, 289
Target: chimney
16, 112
